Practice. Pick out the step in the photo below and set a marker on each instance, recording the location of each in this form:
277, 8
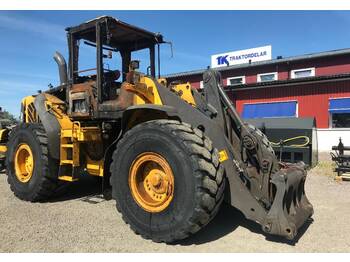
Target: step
67, 162
67, 145
67, 178
66, 133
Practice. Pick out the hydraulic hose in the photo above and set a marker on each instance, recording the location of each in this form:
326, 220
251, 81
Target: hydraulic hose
283, 142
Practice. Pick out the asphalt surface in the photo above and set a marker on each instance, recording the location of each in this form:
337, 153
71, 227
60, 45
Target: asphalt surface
80, 222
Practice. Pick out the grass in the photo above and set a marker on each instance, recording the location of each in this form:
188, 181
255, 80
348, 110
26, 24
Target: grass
325, 168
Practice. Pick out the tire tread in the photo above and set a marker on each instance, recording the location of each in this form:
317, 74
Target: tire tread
209, 175
49, 184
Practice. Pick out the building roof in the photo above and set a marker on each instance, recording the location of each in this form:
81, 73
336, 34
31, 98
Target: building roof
290, 82
325, 54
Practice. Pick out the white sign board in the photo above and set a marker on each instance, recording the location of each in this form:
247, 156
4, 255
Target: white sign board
242, 56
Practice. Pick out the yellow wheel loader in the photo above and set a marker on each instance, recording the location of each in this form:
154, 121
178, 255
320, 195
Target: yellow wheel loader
169, 154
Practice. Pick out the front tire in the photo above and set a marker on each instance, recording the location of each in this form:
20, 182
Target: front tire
32, 173
194, 184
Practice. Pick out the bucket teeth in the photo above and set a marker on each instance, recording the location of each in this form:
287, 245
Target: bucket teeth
290, 208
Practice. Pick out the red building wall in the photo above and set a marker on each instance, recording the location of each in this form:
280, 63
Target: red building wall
332, 66
312, 99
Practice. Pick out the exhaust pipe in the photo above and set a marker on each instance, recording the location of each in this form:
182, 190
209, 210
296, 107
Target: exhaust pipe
62, 68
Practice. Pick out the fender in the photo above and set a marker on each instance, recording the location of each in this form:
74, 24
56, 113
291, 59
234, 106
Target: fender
150, 110
51, 126
129, 119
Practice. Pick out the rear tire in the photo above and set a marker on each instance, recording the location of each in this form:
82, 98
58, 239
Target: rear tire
43, 181
198, 179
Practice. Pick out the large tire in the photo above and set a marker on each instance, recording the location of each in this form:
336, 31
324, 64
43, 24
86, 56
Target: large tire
43, 183
198, 179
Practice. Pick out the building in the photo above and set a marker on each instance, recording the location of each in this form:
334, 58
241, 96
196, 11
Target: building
314, 85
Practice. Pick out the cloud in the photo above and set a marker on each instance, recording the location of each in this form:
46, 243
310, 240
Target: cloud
39, 27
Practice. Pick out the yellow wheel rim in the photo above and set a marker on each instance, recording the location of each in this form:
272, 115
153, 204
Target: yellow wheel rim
24, 163
151, 182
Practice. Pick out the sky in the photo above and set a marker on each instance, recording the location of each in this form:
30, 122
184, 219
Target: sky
30, 38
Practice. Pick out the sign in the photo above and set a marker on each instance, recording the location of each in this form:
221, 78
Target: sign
242, 56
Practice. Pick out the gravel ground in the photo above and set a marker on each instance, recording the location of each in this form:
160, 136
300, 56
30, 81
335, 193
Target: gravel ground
80, 223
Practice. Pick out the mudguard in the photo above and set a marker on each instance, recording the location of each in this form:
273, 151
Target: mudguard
146, 109
51, 126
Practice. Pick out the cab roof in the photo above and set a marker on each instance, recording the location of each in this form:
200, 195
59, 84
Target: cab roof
121, 35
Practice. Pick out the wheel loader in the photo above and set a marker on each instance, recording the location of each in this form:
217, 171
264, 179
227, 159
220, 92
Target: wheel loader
168, 153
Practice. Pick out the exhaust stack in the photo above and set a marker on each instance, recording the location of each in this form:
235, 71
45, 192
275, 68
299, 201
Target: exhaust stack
62, 68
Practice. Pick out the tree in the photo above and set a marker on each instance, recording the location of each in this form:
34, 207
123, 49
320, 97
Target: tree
7, 118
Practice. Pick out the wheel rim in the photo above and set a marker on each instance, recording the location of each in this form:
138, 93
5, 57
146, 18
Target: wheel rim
151, 182
24, 163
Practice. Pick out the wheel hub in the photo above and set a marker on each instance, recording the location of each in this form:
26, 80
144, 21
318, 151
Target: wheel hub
151, 182
156, 180
24, 163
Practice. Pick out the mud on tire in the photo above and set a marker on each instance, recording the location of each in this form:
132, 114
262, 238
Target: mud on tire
198, 175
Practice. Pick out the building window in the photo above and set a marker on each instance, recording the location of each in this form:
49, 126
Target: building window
267, 77
339, 113
237, 80
267, 110
306, 72
201, 84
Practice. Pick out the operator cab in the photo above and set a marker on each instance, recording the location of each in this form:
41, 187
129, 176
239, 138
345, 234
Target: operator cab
101, 58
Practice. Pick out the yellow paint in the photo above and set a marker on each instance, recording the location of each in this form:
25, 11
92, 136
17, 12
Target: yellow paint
72, 135
3, 135
24, 163
184, 91
71, 139
223, 155
67, 178
95, 168
138, 100
3, 149
28, 100
29, 112
146, 92
151, 182
57, 107
162, 81
2, 132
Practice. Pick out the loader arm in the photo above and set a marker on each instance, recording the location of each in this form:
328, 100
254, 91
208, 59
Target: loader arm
264, 190
279, 187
